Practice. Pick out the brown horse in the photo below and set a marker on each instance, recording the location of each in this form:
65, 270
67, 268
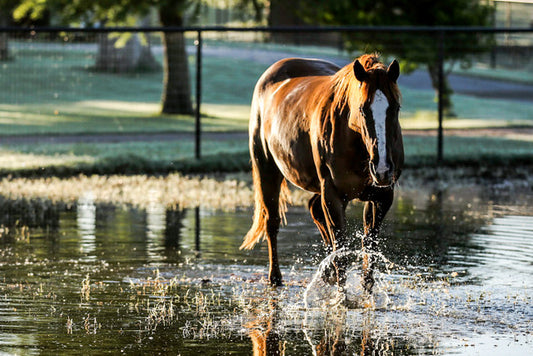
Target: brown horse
331, 131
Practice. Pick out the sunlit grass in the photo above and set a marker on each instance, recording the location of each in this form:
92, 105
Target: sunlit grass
11, 160
173, 190
419, 111
421, 150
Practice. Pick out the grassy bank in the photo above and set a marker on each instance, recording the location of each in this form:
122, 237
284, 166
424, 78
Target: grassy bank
230, 155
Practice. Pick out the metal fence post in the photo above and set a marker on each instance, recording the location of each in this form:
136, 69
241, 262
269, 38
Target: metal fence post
440, 98
197, 224
197, 123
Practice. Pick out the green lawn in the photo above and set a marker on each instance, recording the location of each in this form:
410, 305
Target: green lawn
52, 90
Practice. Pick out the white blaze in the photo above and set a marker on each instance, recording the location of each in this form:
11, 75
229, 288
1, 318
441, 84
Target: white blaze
379, 112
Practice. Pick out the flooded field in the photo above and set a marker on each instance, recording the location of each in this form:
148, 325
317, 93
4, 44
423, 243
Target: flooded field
456, 278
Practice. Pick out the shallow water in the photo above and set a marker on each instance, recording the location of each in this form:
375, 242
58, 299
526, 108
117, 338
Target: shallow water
455, 277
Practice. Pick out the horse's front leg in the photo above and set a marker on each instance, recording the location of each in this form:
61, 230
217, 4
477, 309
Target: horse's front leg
373, 215
334, 208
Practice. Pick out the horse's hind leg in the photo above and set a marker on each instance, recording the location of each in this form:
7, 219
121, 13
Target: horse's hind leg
270, 187
268, 184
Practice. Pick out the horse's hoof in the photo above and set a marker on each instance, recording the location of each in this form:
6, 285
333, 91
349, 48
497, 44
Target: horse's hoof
329, 276
339, 298
368, 284
275, 281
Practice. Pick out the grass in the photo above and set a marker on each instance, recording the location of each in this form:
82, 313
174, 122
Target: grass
55, 91
228, 156
421, 150
483, 71
173, 190
51, 89
229, 191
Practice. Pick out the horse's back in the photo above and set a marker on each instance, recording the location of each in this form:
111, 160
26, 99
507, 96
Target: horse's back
294, 68
280, 119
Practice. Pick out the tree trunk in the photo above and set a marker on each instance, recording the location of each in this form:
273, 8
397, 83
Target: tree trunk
176, 97
4, 40
447, 104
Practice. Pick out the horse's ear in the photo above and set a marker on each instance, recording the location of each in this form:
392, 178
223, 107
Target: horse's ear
393, 72
359, 71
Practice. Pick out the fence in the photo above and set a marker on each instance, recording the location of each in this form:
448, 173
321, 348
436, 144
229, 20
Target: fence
438, 46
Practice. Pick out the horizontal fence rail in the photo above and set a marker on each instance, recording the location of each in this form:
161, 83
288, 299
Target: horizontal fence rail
440, 33
311, 29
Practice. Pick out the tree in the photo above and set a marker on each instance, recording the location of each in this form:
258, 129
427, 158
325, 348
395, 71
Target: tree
176, 84
176, 96
6, 7
4, 45
416, 49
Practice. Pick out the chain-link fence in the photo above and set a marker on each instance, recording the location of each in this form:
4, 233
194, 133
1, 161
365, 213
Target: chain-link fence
62, 89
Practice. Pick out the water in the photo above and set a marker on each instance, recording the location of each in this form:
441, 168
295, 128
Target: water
455, 277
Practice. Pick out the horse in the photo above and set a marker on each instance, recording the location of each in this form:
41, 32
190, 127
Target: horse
334, 132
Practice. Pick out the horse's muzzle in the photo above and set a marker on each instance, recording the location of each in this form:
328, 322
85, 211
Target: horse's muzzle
382, 179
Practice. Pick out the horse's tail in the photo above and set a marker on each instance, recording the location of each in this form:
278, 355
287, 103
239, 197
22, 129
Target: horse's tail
258, 230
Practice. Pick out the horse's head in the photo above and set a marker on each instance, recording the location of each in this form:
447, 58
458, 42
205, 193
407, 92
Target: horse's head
376, 117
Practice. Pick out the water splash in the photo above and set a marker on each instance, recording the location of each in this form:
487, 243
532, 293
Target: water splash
323, 295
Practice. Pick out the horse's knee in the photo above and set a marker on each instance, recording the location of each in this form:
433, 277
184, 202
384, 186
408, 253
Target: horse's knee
317, 213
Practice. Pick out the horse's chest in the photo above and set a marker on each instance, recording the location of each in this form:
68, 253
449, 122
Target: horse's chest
348, 175
349, 185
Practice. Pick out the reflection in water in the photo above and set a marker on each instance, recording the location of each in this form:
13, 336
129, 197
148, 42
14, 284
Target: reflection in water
173, 226
333, 332
327, 339
155, 227
86, 221
264, 334
197, 228
32, 213
461, 274
507, 246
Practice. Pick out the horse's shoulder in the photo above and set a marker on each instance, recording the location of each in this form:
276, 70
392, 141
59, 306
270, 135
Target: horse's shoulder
289, 68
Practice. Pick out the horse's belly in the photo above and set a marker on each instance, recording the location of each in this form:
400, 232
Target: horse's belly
295, 161
303, 181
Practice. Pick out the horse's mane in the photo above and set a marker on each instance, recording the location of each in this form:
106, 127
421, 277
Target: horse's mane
345, 90
346, 86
